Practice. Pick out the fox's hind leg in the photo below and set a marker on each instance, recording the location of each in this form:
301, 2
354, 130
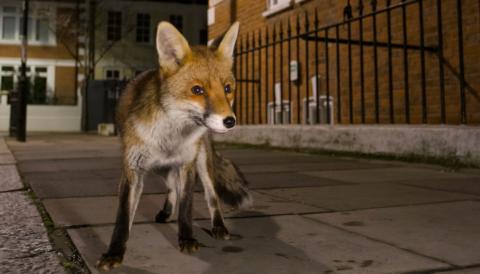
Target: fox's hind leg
166, 214
205, 173
131, 187
170, 205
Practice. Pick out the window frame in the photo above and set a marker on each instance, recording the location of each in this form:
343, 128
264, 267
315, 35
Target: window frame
117, 27
49, 74
32, 74
6, 73
273, 8
33, 19
146, 28
113, 70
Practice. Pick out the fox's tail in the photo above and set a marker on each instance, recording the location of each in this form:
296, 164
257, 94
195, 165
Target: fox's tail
230, 184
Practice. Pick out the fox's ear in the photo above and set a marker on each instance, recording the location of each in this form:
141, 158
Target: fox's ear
227, 45
172, 47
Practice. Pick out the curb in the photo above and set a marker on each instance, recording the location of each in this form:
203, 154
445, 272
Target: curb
24, 239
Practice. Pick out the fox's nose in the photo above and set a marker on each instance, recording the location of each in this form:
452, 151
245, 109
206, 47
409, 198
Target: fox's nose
229, 122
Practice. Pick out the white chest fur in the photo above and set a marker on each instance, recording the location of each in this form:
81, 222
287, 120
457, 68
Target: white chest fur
167, 142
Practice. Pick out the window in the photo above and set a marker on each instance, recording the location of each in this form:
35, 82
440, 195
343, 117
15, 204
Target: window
38, 91
211, 16
143, 27
9, 20
37, 85
114, 26
177, 21
112, 74
40, 82
274, 6
7, 74
11, 24
29, 29
271, 4
42, 31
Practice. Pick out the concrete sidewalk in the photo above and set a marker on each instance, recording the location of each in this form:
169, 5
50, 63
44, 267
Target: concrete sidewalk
24, 243
312, 213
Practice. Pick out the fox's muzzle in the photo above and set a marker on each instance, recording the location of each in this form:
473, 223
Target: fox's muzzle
219, 123
229, 122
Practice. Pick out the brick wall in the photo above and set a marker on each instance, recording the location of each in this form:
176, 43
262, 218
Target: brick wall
249, 13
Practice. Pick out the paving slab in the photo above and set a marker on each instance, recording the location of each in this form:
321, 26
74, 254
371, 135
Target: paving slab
3, 146
7, 159
391, 174
72, 187
334, 164
72, 174
282, 244
474, 171
9, 178
66, 153
102, 210
60, 139
69, 183
470, 185
69, 164
255, 157
24, 245
286, 179
362, 196
77, 177
75, 183
474, 270
249, 152
103, 182
448, 231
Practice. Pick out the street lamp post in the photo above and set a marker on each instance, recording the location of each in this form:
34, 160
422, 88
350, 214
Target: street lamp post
23, 82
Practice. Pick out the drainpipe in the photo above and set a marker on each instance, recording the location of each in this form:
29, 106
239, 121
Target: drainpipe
233, 11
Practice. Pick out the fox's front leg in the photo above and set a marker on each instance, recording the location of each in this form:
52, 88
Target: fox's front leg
185, 193
130, 190
205, 169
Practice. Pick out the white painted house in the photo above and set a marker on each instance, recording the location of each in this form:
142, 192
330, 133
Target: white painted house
53, 101
124, 46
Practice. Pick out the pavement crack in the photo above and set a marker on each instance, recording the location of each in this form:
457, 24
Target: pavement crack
13, 190
384, 242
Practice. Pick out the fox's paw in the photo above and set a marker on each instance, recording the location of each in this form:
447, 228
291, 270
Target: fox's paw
220, 233
108, 262
188, 245
162, 217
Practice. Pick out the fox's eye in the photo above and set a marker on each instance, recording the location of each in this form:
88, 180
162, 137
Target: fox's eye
197, 90
228, 89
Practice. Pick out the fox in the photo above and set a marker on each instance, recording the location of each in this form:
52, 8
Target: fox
166, 117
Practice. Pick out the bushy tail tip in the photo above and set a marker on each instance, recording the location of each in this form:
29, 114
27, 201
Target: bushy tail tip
230, 184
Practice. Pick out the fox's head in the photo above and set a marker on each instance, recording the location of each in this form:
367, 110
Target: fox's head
198, 81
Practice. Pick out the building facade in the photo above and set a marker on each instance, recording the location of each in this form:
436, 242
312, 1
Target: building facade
52, 57
125, 33
354, 62
70, 41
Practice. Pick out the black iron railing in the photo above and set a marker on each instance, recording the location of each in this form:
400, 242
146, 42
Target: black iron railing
387, 65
